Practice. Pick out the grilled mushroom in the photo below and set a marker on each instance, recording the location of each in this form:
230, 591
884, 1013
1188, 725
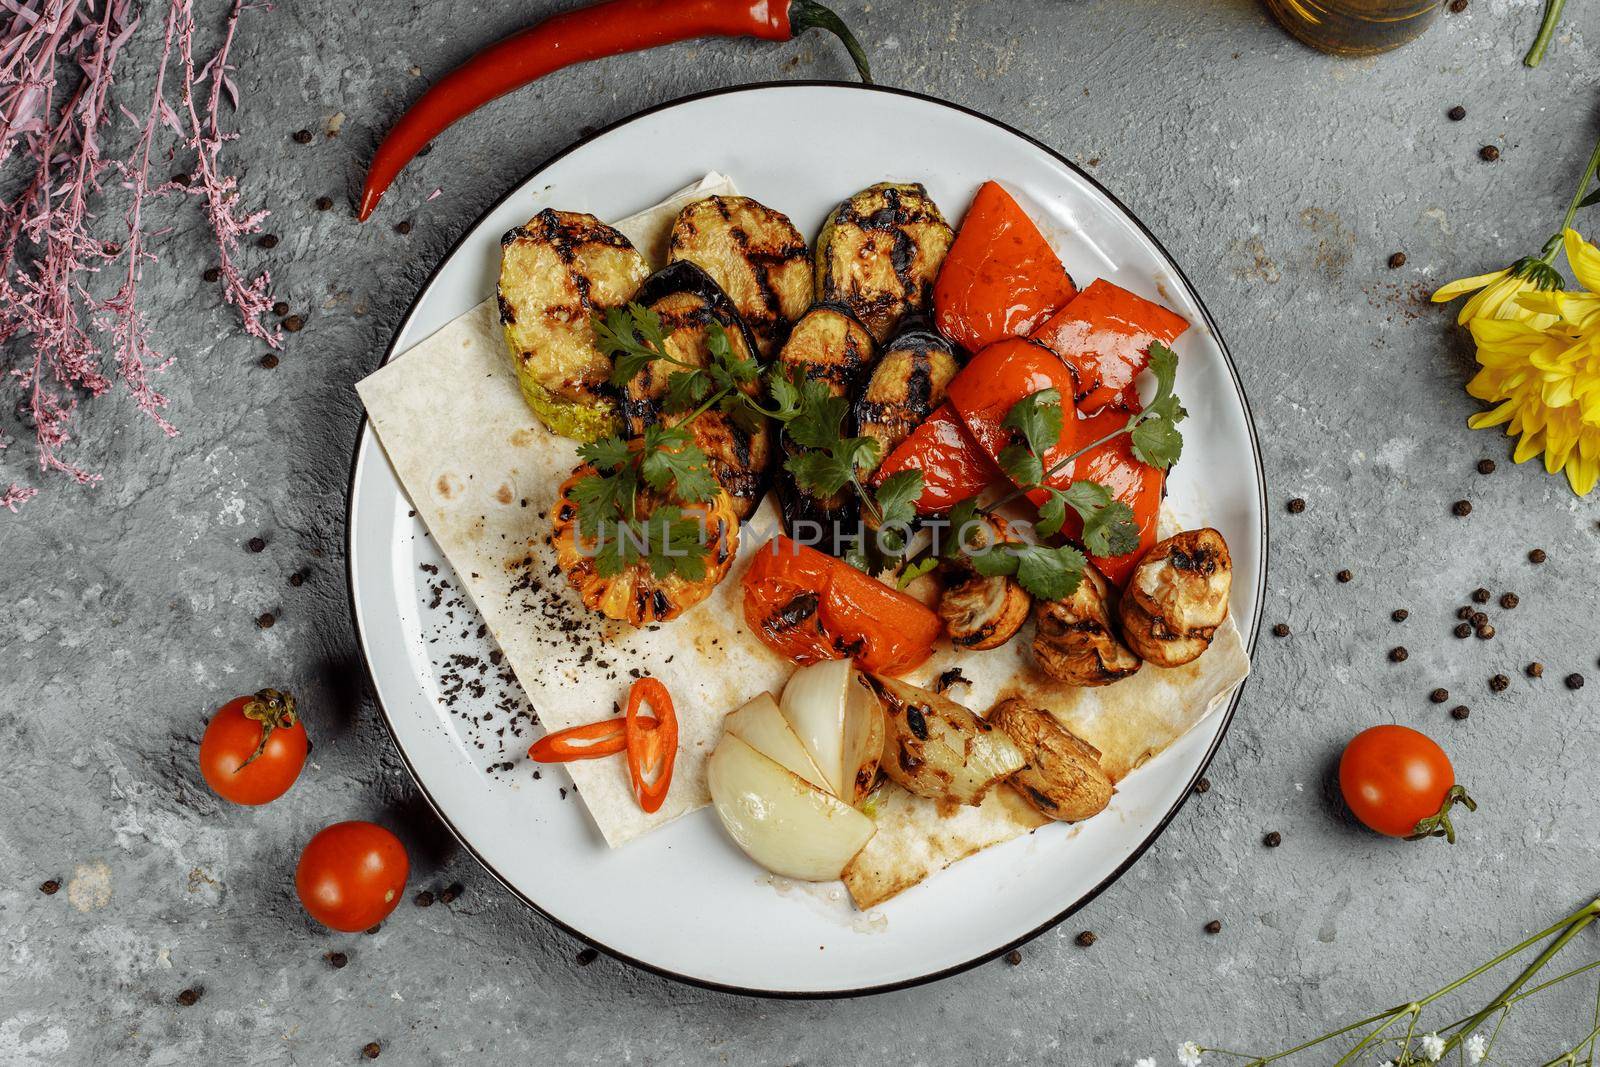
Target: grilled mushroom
1073, 640
1063, 779
1177, 597
979, 612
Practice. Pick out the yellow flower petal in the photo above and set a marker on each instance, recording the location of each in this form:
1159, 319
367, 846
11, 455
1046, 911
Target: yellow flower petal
1584, 258
1450, 290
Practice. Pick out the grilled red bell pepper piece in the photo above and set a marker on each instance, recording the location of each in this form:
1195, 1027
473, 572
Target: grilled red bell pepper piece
1138, 485
984, 391
1105, 336
1000, 278
953, 466
604, 29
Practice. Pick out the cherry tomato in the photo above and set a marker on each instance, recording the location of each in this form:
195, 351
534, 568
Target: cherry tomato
1399, 782
351, 875
253, 748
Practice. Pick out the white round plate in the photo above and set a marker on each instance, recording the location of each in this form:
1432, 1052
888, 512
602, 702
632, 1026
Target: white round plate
683, 901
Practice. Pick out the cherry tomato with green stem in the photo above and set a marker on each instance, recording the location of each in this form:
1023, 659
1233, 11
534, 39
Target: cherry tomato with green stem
254, 747
1399, 782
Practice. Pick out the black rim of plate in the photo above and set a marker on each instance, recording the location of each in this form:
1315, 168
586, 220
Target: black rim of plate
1122, 868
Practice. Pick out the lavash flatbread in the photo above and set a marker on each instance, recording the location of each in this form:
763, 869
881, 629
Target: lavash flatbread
482, 473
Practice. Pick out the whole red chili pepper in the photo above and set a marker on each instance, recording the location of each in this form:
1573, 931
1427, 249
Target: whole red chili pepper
605, 29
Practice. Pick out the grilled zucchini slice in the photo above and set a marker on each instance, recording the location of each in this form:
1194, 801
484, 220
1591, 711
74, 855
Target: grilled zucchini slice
828, 345
906, 384
740, 450
756, 255
554, 273
879, 253
637, 595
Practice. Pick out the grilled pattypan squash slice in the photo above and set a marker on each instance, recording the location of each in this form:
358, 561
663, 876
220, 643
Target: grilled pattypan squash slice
740, 450
556, 271
636, 594
879, 253
756, 255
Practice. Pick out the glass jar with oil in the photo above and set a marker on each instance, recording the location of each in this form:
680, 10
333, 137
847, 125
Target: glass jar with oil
1355, 27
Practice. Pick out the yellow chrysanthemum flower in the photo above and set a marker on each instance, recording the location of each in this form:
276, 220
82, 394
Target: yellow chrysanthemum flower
1496, 295
1542, 372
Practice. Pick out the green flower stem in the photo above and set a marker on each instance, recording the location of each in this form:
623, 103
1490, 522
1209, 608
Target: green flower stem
1547, 30
1569, 928
1526, 993
1570, 1056
1588, 176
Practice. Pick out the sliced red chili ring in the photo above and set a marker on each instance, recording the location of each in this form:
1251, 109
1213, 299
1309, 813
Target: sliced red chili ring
589, 741
652, 743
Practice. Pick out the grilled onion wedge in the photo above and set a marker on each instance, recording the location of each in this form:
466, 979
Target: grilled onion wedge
688, 303
761, 725
831, 346
1073, 640
779, 819
1063, 779
755, 254
555, 272
635, 594
879, 252
1177, 597
905, 386
838, 718
939, 749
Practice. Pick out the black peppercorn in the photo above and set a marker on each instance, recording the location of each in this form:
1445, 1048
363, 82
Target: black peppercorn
1203, 786
257, 544
1574, 681
324, 203
280, 309
1538, 555
1485, 632
269, 361
1214, 926
336, 960
1464, 612
1462, 508
423, 899
1509, 601
1399, 614
50, 888
268, 240
1280, 629
189, 998
265, 620
294, 323
297, 579
1536, 670
1460, 711
211, 274
1457, 113
374, 928
1344, 576
1272, 840
1439, 696
1014, 957
587, 956
1087, 938
1296, 506
302, 137
1478, 618
1397, 261
371, 1050
402, 227
1485, 466
454, 890
1499, 683
181, 180
1457, 6
1489, 153
1398, 654
1480, 595
1463, 629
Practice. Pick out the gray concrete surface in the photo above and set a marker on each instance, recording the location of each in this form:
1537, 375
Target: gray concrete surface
1282, 180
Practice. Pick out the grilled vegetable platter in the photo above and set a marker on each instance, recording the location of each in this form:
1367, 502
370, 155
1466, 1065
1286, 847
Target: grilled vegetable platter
875, 519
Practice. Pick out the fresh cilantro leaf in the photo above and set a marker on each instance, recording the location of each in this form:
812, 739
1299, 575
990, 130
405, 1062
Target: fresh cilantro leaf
602, 498
1022, 465
744, 416
820, 416
1048, 573
1108, 528
820, 472
1157, 442
686, 389
670, 458
675, 544
1164, 365
731, 369
897, 496
995, 561
916, 569
606, 454
633, 337
1052, 514
1037, 417
785, 392
964, 523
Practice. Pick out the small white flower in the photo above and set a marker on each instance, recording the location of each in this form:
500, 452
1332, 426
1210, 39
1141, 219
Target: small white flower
1432, 1047
1148, 1061
1477, 1047
1386, 1063
1189, 1054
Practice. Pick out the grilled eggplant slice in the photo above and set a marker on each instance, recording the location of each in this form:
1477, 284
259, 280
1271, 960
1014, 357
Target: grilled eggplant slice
828, 345
636, 595
555, 272
688, 303
879, 252
1063, 779
755, 254
906, 384
939, 749
1177, 597
1073, 641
